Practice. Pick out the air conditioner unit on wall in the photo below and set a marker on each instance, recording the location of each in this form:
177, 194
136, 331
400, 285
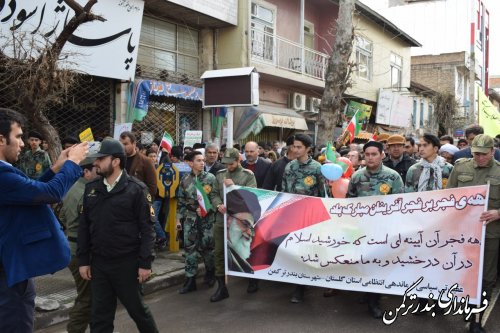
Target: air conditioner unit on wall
313, 105
298, 101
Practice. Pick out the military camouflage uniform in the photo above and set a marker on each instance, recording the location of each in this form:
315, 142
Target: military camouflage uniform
34, 164
242, 177
198, 237
413, 176
304, 178
467, 173
383, 181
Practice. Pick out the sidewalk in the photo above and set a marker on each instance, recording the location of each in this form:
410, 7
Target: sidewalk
56, 293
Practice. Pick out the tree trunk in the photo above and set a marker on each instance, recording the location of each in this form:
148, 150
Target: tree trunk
337, 78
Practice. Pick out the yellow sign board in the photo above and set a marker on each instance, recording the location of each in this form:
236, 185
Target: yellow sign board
86, 135
489, 117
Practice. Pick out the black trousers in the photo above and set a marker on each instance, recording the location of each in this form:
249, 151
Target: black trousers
17, 305
114, 279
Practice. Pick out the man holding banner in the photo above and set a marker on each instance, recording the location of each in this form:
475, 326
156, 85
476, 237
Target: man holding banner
375, 179
479, 170
195, 196
303, 176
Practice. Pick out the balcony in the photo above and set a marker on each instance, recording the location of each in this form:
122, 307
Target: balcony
281, 53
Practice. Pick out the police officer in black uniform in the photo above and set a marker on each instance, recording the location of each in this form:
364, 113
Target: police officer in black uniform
115, 240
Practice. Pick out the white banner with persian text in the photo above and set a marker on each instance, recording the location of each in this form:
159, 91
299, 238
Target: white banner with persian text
380, 244
107, 49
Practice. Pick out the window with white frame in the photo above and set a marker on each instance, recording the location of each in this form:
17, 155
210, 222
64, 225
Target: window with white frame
262, 22
396, 70
364, 57
169, 46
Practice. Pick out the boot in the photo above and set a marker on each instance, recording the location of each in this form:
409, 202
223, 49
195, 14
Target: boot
189, 285
374, 306
475, 324
221, 292
298, 294
253, 286
209, 278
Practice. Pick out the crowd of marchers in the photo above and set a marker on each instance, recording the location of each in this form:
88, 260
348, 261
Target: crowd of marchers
107, 202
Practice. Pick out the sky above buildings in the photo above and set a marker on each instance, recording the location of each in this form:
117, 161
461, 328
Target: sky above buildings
493, 7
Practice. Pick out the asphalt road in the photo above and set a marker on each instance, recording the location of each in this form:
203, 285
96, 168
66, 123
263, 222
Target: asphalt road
269, 310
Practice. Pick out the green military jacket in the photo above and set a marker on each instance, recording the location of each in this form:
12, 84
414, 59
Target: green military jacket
187, 202
381, 182
34, 164
70, 212
414, 172
304, 178
240, 176
467, 173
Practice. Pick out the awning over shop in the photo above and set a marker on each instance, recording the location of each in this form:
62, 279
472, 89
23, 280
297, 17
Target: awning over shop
140, 90
254, 119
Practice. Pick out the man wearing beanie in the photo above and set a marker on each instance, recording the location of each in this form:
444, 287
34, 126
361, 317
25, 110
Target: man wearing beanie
303, 176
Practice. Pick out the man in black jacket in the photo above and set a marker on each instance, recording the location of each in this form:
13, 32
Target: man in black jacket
274, 176
397, 159
470, 134
115, 240
212, 165
258, 165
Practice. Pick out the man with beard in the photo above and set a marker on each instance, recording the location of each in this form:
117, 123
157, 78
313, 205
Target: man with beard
115, 240
374, 179
480, 170
234, 174
258, 165
32, 242
355, 157
397, 159
243, 210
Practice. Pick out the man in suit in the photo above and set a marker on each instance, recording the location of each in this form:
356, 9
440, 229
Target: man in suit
258, 165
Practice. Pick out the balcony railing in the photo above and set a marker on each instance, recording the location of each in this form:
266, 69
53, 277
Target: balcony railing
281, 53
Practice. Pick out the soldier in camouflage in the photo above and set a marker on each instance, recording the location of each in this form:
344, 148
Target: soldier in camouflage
198, 237
303, 176
374, 179
479, 170
234, 174
34, 162
432, 171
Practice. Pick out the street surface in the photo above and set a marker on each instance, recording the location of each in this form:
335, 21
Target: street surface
269, 310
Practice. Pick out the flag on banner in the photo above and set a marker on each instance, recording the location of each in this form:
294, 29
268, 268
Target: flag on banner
329, 153
202, 198
353, 127
167, 142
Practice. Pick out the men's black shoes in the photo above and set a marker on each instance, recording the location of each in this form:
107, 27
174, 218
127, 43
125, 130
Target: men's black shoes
476, 328
298, 294
189, 285
221, 292
253, 286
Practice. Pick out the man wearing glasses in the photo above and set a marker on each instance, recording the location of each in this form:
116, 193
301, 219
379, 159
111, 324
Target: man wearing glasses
243, 211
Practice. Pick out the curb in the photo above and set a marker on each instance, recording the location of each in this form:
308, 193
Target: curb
44, 319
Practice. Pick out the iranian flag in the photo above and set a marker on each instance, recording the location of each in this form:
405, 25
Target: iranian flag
167, 142
201, 197
353, 127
